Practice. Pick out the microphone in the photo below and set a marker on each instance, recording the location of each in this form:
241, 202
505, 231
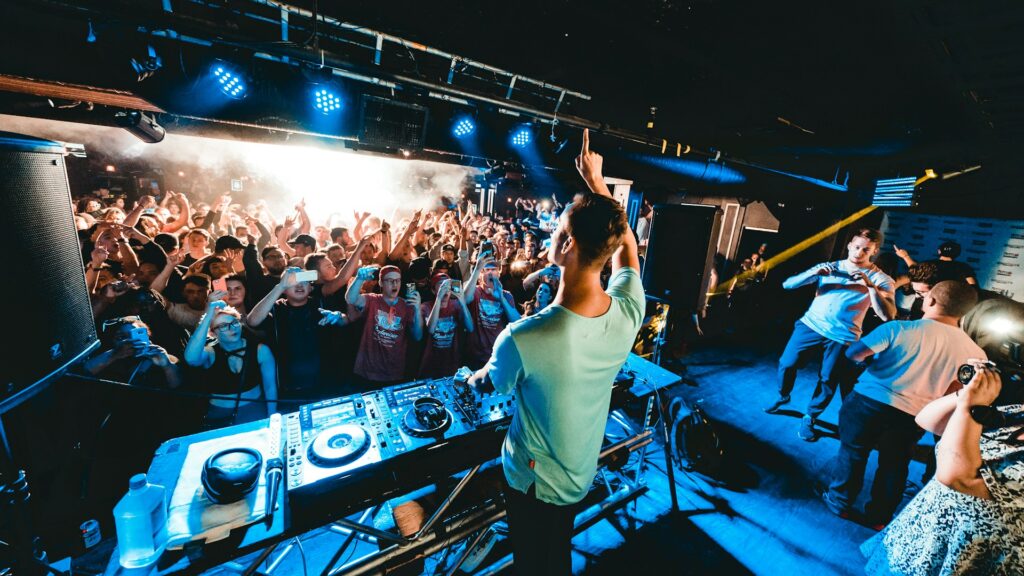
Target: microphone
275, 468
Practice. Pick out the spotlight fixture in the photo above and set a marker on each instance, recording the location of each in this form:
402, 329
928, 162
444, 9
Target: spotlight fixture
230, 80
521, 136
326, 101
463, 126
141, 125
145, 63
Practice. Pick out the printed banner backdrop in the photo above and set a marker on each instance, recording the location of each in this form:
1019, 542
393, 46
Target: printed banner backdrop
994, 248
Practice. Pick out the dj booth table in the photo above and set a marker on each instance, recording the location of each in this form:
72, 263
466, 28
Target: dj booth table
366, 485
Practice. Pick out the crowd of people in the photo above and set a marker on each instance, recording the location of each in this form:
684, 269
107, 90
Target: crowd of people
264, 309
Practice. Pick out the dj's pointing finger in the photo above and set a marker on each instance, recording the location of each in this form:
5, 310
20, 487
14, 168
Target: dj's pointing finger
586, 140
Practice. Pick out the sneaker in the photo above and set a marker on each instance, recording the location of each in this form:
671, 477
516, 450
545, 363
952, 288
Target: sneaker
779, 403
834, 506
807, 432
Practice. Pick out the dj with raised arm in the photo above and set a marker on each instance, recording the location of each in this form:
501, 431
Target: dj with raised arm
561, 363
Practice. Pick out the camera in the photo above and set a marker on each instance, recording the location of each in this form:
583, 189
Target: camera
965, 373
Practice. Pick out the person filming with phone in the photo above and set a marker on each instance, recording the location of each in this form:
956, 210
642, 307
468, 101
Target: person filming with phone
292, 321
390, 321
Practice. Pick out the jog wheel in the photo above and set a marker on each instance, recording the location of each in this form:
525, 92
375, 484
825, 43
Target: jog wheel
339, 445
427, 417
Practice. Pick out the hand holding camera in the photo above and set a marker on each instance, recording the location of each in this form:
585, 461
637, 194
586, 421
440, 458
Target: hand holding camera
981, 383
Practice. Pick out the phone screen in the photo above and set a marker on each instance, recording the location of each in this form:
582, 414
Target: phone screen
220, 284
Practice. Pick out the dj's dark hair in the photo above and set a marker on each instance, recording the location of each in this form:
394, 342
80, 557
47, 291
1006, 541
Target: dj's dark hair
597, 225
949, 249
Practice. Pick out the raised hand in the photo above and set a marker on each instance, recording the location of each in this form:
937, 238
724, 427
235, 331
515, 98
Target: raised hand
496, 289
99, 255
176, 257
217, 295
215, 305
826, 270
414, 299
903, 254
589, 163
331, 318
157, 355
288, 278
984, 388
444, 289
862, 278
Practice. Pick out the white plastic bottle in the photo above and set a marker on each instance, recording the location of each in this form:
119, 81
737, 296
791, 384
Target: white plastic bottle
140, 519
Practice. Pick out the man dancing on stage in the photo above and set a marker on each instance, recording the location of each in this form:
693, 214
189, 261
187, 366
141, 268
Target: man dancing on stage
562, 362
845, 291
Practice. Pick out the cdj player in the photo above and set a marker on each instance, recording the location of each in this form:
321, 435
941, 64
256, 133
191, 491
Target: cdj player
356, 449
365, 438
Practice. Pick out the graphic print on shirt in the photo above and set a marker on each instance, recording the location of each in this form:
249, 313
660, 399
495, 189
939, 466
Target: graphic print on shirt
387, 328
444, 334
490, 313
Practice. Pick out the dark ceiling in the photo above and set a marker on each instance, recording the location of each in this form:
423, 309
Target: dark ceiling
877, 89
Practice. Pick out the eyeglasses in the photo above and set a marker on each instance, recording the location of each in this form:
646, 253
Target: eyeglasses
234, 324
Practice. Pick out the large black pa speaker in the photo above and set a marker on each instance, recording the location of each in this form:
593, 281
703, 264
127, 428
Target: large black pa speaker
48, 317
680, 251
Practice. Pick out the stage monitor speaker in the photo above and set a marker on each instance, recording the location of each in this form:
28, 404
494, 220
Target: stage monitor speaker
680, 251
48, 316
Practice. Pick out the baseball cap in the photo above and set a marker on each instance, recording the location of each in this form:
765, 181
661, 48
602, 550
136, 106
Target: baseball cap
304, 239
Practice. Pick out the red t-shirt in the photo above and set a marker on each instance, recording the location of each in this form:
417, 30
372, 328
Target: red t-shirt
381, 354
489, 319
442, 354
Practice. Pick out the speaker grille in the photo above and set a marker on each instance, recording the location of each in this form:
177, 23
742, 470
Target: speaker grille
389, 124
44, 284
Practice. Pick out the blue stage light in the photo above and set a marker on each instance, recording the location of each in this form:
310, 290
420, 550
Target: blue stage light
230, 81
521, 137
463, 127
326, 101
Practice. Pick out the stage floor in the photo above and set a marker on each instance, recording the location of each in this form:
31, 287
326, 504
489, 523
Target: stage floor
760, 517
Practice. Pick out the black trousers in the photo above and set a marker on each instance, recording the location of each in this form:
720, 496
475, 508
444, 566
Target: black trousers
541, 534
865, 424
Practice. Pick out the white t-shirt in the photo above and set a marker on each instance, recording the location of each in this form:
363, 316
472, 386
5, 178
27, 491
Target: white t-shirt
915, 362
841, 302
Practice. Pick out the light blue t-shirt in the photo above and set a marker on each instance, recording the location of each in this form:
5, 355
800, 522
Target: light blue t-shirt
840, 303
562, 366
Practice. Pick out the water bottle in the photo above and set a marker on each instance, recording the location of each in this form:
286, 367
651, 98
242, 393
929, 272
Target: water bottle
141, 519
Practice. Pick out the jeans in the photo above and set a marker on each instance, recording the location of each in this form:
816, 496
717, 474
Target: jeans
541, 534
836, 370
865, 424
